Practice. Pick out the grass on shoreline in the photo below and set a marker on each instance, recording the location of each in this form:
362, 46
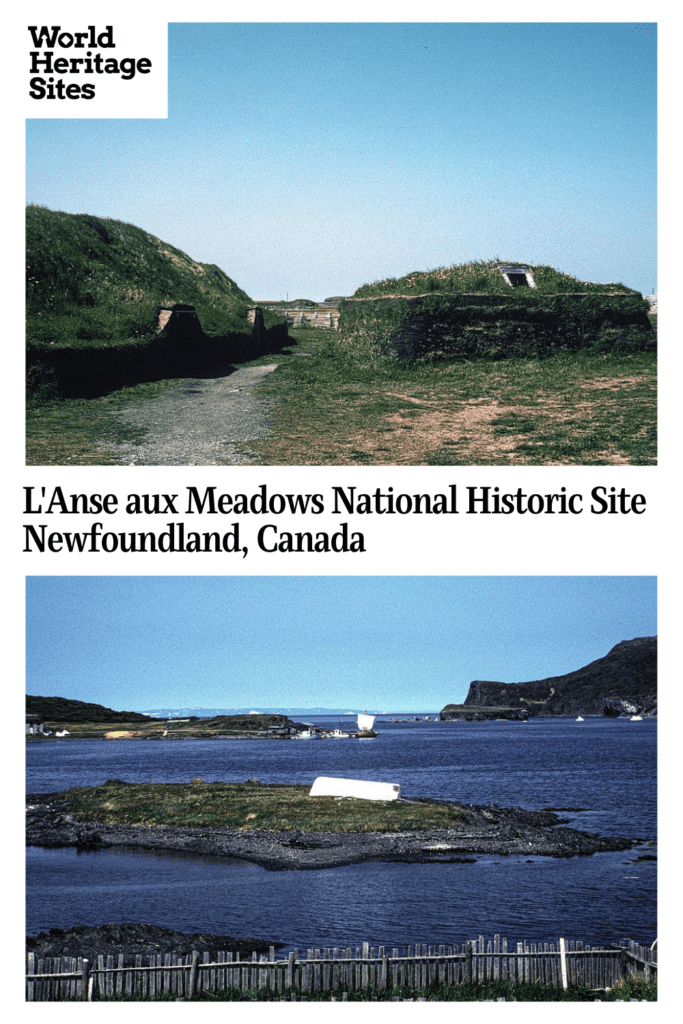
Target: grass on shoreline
250, 806
160, 728
468, 992
634, 989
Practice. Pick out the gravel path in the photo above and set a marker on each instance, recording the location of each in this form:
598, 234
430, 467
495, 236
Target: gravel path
202, 422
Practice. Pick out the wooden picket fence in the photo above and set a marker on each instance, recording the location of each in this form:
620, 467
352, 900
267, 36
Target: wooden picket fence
339, 971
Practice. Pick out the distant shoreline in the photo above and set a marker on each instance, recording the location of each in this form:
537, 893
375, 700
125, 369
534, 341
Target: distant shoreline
472, 718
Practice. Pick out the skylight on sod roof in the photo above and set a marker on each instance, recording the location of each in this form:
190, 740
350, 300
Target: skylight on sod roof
518, 277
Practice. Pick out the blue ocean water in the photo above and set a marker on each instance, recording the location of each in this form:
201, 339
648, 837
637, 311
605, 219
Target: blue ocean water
601, 773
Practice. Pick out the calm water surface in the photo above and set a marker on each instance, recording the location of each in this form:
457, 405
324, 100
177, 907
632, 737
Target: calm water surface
607, 769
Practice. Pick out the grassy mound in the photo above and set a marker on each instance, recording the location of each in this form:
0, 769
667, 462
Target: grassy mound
481, 276
473, 311
95, 287
278, 808
99, 281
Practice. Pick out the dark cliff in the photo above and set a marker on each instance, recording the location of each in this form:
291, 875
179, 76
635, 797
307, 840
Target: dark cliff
624, 681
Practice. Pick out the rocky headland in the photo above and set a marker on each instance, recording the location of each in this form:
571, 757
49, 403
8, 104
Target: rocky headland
621, 684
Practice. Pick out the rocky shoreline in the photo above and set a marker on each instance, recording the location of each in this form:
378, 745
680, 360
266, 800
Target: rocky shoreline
132, 940
487, 830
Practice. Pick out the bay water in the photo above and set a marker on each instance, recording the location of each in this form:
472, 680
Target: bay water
599, 773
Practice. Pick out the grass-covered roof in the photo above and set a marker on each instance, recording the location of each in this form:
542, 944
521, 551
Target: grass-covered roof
481, 276
95, 280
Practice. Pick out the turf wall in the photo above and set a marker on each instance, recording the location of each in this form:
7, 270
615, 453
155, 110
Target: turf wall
74, 372
493, 326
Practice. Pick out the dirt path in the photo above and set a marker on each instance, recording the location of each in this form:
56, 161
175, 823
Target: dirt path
202, 422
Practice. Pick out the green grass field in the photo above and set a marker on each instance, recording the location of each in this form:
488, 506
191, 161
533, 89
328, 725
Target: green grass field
335, 407
341, 408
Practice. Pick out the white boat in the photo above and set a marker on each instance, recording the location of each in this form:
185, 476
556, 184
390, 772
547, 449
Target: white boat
365, 722
636, 718
579, 719
339, 734
326, 786
305, 734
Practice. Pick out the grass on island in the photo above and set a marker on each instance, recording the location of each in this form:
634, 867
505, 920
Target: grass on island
335, 407
250, 806
145, 728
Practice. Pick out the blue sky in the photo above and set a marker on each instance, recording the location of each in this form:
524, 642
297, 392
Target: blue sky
386, 643
308, 159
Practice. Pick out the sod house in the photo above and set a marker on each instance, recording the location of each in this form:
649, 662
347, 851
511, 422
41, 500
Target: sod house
494, 310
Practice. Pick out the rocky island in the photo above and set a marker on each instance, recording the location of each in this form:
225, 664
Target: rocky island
281, 828
621, 684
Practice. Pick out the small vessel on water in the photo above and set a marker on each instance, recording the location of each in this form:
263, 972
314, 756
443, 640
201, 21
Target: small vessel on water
579, 719
636, 718
365, 724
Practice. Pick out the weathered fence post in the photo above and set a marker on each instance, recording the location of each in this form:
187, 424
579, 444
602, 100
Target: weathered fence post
85, 971
289, 977
563, 962
31, 984
623, 964
326, 970
273, 972
468, 961
192, 987
384, 972
647, 974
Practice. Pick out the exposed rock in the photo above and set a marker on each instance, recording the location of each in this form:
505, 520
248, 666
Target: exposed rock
486, 830
621, 708
464, 713
135, 939
628, 674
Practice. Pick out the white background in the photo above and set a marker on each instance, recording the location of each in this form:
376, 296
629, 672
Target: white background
134, 36
398, 545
